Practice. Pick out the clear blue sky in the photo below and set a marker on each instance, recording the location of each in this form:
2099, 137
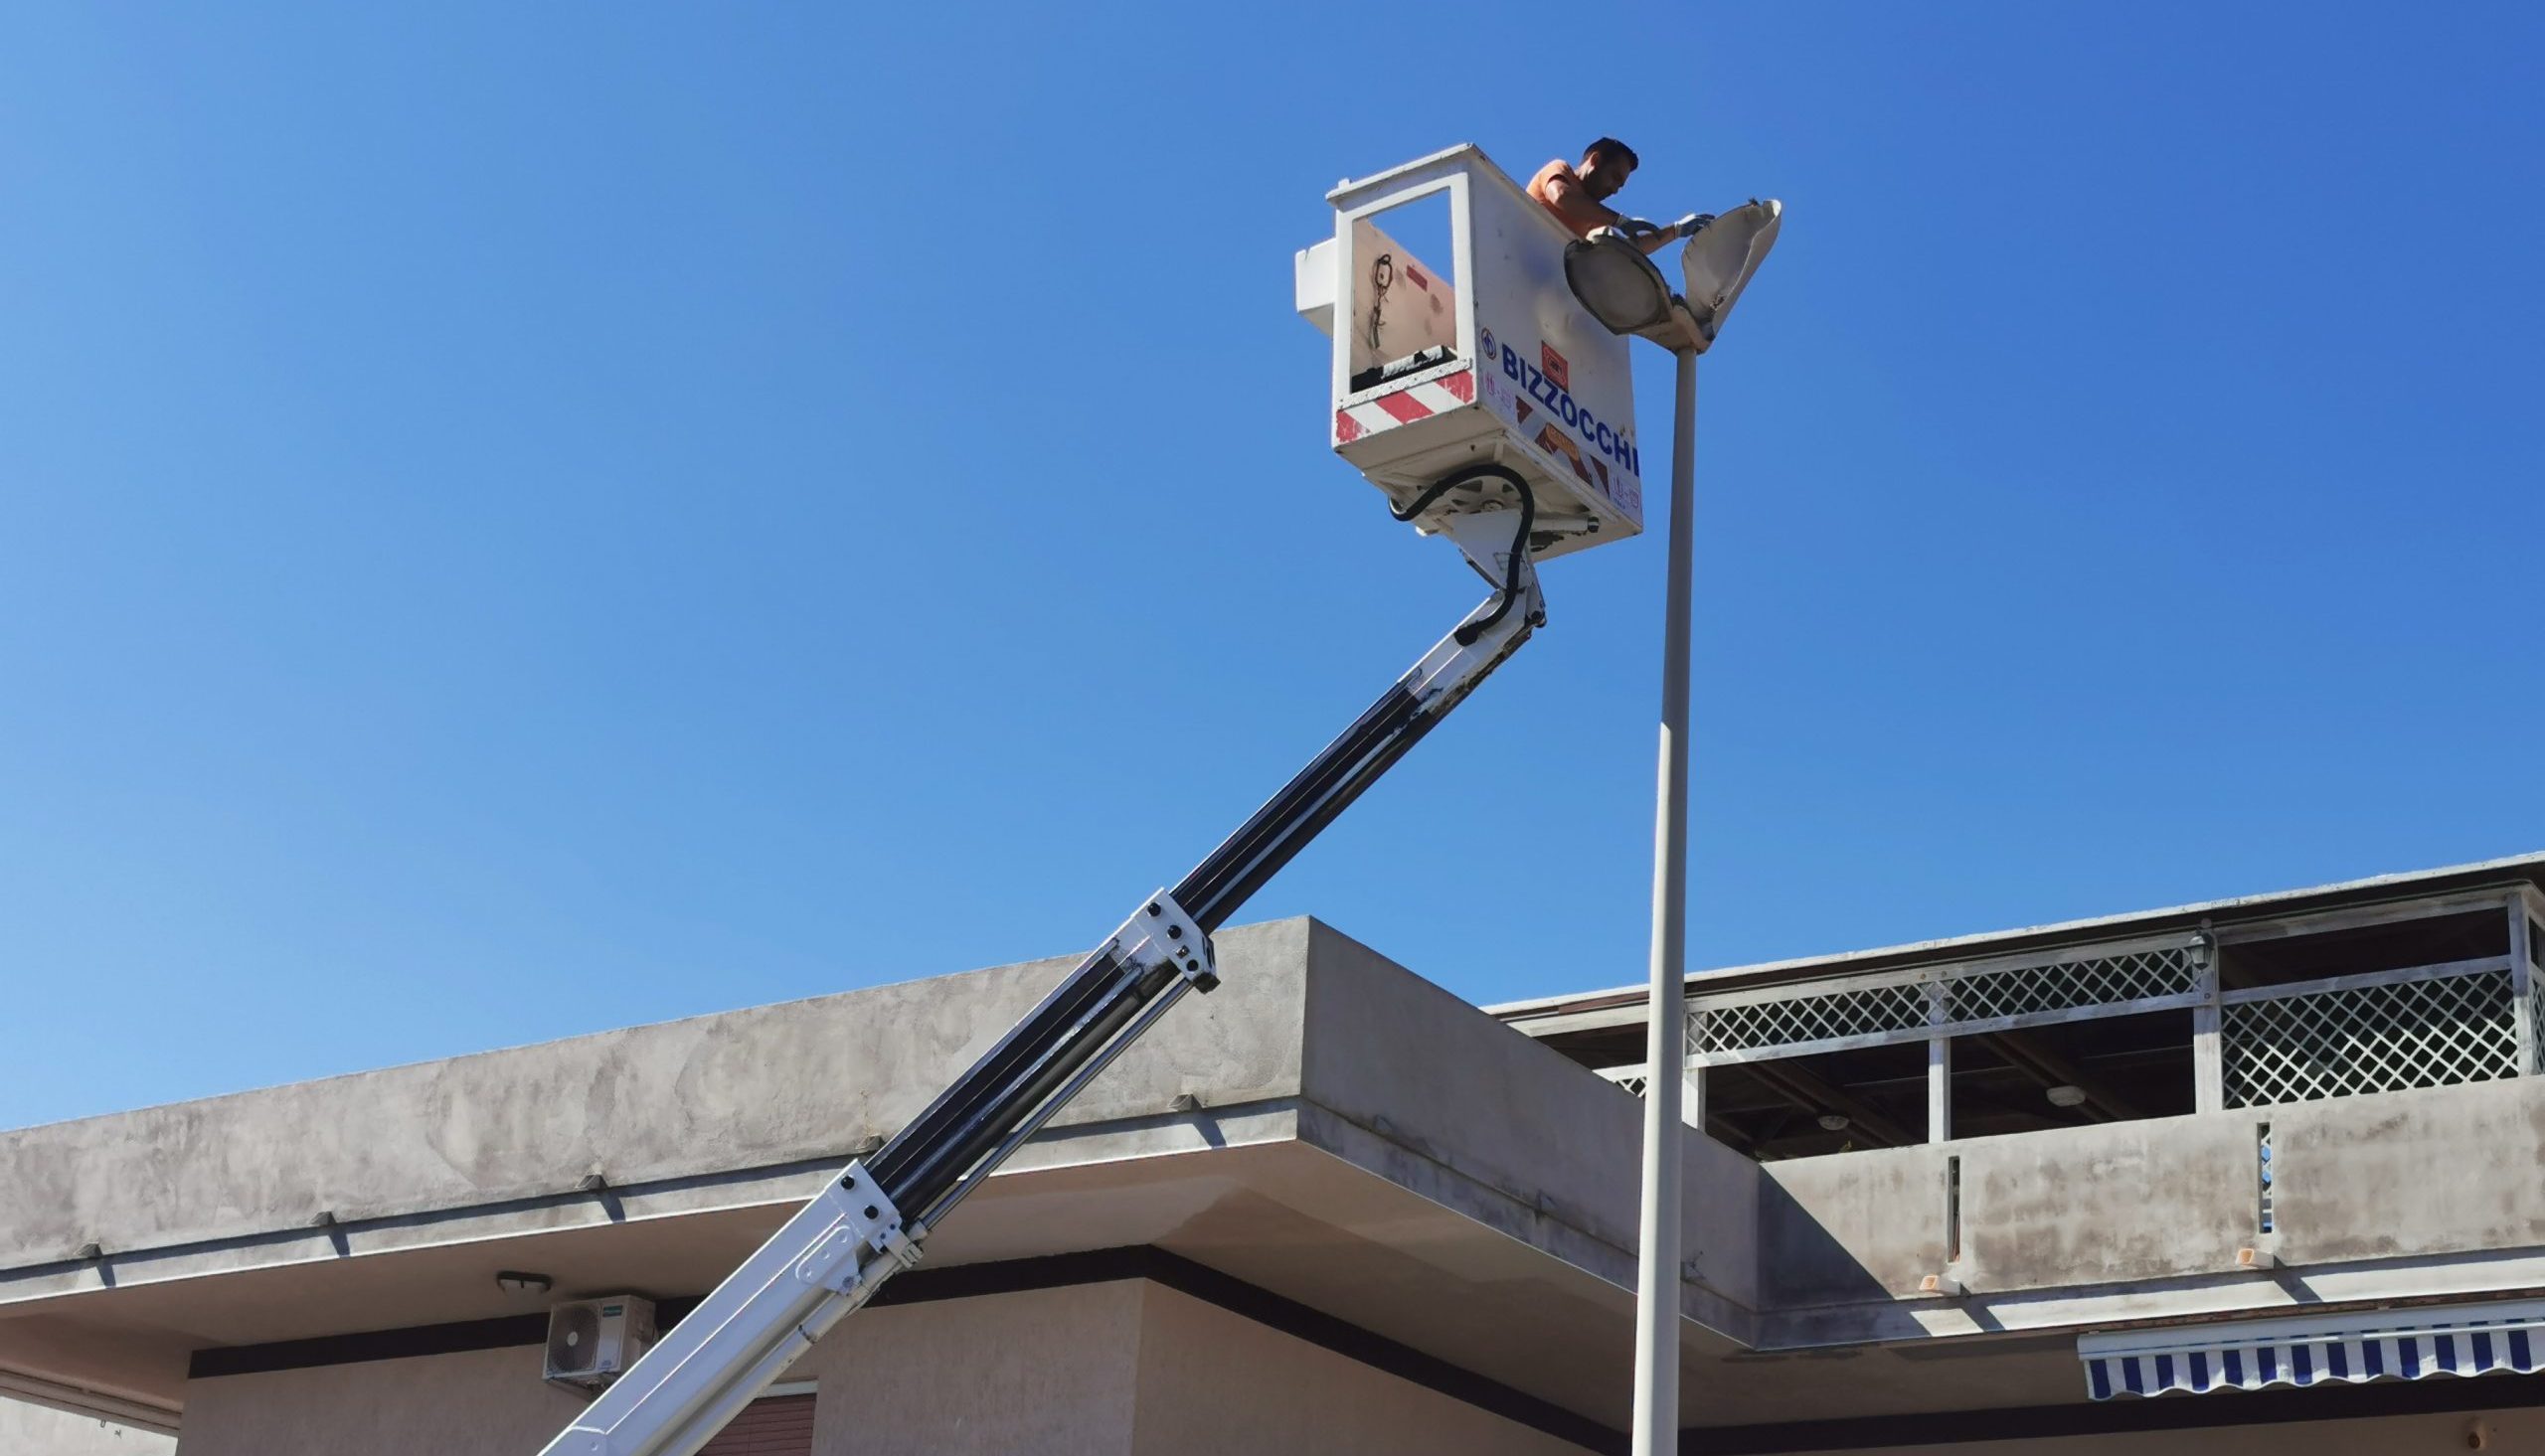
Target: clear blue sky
522, 519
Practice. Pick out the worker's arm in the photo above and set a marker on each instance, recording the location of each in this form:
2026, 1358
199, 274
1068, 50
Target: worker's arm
1652, 242
1573, 206
1572, 203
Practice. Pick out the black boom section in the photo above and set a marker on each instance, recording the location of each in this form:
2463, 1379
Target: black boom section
913, 1167
1081, 1015
977, 1138
926, 1164
1229, 874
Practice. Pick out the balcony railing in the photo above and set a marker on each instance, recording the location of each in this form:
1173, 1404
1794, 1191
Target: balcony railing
2254, 1041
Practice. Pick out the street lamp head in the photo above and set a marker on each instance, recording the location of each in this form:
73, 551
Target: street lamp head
1626, 292
1721, 258
1617, 283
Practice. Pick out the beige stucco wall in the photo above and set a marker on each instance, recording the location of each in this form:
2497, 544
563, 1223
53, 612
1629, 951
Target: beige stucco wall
1125, 1369
40, 1430
1211, 1380
1047, 1371
483, 1400
2401, 1435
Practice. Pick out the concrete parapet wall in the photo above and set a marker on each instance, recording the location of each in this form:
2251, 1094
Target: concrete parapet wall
741, 1089
2449, 1170
1403, 1058
2430, 1174
1851, 1226
2125, 1201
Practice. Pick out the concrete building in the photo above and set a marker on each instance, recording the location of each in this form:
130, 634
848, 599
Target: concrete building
1944, 1196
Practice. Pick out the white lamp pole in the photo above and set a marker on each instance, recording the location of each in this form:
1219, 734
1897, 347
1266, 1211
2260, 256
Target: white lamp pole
1656, 1344
1624, 292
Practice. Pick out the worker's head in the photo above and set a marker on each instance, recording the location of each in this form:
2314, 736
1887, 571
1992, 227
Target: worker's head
1605, 165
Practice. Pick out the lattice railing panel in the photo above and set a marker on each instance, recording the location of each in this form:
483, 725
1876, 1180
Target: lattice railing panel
2536, 1023
1826, 1016
2063, 985
2390, 1037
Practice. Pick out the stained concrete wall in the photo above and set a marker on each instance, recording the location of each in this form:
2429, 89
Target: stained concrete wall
2100, 1205
1212, 1382
2450, 1170
2422, 1173
766, 1087
1849, 1227
40, 1430
2089, 1206
1402, 1056
1047, 1371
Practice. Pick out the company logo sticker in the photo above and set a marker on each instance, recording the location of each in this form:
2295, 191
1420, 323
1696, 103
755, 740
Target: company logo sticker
1550, 395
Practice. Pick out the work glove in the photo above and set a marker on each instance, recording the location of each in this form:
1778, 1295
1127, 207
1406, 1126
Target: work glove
1637, 227
1687, 227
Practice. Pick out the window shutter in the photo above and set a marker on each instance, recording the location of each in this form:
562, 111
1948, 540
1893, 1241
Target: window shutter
779, 1425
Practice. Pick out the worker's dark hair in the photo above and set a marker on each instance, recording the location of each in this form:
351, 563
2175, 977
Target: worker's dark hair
1610, 146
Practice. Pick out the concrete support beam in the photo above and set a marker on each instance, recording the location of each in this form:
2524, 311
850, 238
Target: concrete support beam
1939, 1091
2208, 1057
1939, 1069
2522, 972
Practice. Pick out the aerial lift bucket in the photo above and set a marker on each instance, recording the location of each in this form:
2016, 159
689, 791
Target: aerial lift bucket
1471, 383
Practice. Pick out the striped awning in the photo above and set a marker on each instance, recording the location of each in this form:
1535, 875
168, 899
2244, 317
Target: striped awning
2368, 1345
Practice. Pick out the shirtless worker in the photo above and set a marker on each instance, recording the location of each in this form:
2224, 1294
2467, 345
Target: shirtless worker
1577, 196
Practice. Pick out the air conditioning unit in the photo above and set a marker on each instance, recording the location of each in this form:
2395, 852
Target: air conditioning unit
591, 1342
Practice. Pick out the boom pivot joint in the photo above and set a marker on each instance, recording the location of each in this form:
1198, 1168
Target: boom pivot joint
1160, 934
867, 1220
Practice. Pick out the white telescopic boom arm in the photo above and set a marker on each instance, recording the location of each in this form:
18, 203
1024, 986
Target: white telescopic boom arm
868, 1222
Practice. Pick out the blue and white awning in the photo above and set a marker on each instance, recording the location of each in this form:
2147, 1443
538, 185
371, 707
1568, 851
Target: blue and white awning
2368, 1345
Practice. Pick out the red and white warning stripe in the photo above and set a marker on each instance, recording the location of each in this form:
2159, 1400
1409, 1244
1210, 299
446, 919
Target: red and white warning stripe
1404, 406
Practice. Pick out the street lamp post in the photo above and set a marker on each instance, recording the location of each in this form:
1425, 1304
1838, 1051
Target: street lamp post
1657, 1288
1627, 293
